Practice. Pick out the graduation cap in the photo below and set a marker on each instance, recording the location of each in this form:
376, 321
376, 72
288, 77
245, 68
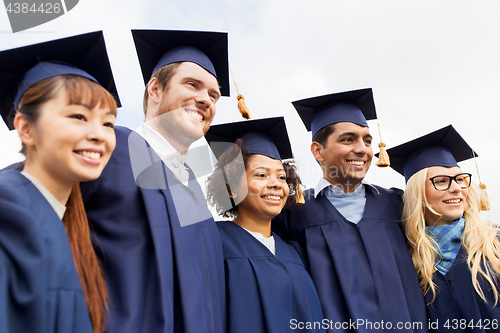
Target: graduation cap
267, 137
158, 48
355, 106
444, 147
84, 55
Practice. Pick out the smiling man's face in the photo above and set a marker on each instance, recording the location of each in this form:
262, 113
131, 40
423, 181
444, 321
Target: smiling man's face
192, 93
346, 156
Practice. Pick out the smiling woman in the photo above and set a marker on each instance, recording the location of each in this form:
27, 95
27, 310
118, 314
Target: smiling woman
50, 274
454, 250
446, 191
67, 134
268, 287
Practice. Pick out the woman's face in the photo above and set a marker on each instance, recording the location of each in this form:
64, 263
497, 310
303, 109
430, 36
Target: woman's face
267, 187
450, 203
70, 143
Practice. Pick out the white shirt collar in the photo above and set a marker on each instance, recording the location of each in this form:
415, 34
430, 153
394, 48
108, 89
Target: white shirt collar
323, 183
268, 242
159, 144
58, 207
171, 157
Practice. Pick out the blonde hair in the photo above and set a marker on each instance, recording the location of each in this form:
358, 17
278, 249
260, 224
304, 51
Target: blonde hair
480, 238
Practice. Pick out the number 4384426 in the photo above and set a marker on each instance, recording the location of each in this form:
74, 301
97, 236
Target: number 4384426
486, 324
47, 8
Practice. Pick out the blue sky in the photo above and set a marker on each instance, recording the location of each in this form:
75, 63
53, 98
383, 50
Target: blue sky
430, 64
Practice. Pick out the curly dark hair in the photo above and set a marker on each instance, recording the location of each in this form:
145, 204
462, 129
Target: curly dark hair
228, 171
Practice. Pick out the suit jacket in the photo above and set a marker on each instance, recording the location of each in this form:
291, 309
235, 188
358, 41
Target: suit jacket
363, 272
40, 291
160, 248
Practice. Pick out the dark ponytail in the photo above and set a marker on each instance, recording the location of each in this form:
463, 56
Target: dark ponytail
86, 262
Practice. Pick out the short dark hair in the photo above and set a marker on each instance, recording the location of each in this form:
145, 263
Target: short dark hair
322, 135
163, 75
218, 188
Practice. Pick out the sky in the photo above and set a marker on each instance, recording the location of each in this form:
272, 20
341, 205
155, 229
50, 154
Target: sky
429, 63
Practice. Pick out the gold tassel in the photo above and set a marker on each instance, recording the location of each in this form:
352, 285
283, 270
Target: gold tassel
245, 112
299, 196
484, 200
383, 157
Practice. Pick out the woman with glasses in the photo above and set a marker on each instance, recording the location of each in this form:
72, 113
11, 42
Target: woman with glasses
454, 250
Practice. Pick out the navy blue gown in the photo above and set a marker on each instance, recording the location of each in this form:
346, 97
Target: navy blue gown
457, 307
161, 276
363, 272
266, 292
39, 287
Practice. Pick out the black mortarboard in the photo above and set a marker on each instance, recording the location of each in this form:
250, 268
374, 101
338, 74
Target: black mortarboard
83, 55
356, 106
444, 147
157, 48
267, 137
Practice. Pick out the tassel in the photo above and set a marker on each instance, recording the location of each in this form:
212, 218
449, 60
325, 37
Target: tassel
484, 200
383, 157
245, 113
299, 196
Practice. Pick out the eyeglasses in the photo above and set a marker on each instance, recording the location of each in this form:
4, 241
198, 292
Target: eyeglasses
442, 183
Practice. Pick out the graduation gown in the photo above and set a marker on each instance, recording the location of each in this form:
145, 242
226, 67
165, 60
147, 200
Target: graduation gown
39, 287
161, 276
457, 307
363, 272
265, 292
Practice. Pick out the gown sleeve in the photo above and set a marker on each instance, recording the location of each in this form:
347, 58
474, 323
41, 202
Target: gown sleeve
22, 279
